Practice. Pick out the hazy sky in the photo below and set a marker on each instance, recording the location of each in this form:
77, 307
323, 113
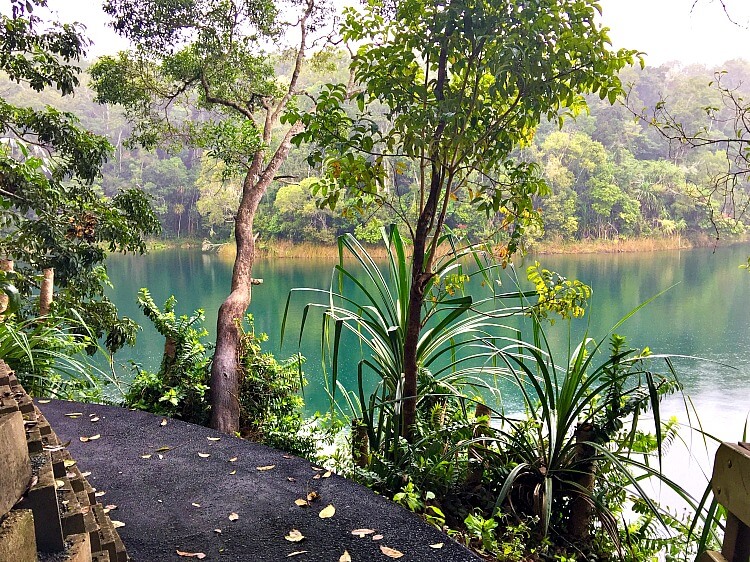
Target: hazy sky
665, 29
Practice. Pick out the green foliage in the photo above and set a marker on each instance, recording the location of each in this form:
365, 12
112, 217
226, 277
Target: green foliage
45, 354
270, 401
556, 294
51, 212
179, 389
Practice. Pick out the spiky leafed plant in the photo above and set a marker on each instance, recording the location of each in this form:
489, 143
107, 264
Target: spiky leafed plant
452, 352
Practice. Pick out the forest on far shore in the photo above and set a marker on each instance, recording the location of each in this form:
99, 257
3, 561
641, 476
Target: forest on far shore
610, 174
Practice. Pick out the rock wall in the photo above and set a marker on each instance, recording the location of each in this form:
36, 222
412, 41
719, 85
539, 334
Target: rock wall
48, 510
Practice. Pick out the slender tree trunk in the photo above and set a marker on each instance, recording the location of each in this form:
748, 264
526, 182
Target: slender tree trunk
225, 372
581, 504
7, 266
45, 295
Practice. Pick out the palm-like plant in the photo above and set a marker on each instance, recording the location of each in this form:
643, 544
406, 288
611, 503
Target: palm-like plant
452, 352
580, 428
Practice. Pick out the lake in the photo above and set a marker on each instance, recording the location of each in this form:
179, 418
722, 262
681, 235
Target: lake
705, 312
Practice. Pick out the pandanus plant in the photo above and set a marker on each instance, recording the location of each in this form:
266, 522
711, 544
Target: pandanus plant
372, 304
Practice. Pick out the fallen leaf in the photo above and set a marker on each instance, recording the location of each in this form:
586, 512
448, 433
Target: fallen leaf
163, 422
117, 524
110, 506
145, 456
59, 484
85, 439
312, 496
316, 477
217, 531
214, 438
296, 553
195, 504
290, 479
327, 474
233, 516
99, 494
286, 456
74, 415
390, 552
317, 468
198, 555
233, 473
67, 463
327, 512
294, 536
436, 545
300, 502
362, 532
94, 419
345, 557
204, 455
377, 537
86, 474
43, 401
264, 468
160, 457
163, 449
233, 459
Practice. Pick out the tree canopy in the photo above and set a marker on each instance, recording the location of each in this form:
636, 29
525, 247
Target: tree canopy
463, 83
52, 214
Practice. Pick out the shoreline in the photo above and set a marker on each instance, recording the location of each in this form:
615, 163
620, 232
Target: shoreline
288, 250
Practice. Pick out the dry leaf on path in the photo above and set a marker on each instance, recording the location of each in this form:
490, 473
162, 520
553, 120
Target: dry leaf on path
164, 448
85, 439
145, 456
73, 415
204, 455
264, 468
217, 531
233, 459
345, 557
233, 473
294, 536
291, 479
362, 532
377, 537
117, 524
94, 419
233, 516
67, 463
43, 401
327, 512
300, 502
214, 438
312, 496
163, 422
296, 553
327, 474
195, 504
436, 545
198, 555
390, 552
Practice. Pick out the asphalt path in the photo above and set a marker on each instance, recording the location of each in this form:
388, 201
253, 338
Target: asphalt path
183, 487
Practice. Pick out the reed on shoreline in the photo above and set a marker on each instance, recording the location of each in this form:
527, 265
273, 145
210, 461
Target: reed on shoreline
283, 249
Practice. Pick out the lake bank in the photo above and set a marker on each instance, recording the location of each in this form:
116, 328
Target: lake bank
283, 249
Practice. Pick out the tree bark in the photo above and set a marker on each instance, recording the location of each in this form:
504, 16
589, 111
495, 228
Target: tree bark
46, 292
584, 478
225, 371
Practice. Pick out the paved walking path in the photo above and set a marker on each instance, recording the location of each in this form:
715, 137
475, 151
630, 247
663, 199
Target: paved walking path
176, 489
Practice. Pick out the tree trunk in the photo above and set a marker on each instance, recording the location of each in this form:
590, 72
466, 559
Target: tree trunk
45, 295
225, 375
7, 266
584, 477
225, 372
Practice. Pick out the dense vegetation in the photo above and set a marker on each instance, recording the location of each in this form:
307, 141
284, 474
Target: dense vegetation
447, 133
610, 174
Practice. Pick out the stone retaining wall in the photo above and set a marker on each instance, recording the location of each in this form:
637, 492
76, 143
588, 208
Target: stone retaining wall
48, 510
